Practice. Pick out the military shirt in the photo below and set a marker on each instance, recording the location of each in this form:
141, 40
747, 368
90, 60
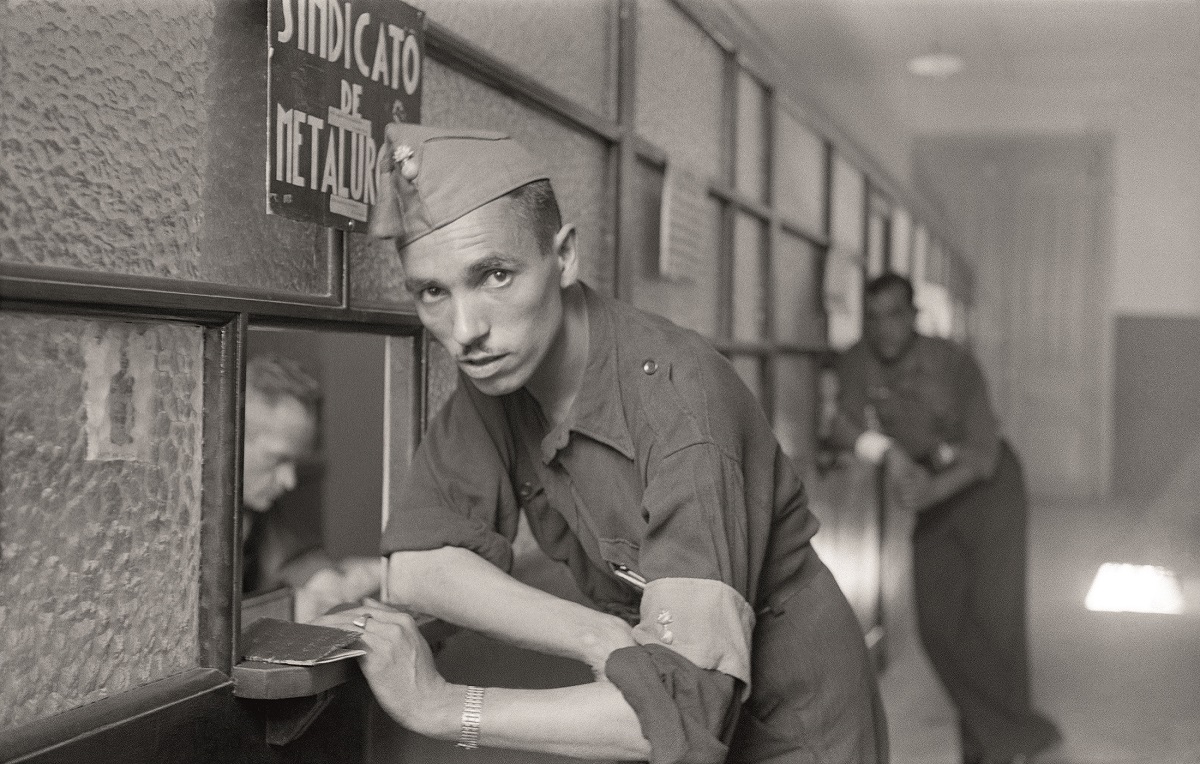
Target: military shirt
933, 395
665, 471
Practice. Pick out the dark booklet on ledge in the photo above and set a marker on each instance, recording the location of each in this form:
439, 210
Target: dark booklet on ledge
297, 644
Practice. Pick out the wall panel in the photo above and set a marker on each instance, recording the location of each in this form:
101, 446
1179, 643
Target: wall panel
687, 293
565, 46
150, 164
679, 76
102, 161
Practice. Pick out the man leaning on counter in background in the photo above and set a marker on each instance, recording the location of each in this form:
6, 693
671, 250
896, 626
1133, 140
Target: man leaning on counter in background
641, 462
921, 405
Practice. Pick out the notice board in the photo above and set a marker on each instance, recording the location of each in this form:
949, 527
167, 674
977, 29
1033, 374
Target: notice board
338, 72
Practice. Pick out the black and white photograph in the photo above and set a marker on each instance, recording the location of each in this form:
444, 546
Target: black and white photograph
552, 381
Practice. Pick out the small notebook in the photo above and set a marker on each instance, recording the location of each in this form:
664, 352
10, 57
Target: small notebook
297, 644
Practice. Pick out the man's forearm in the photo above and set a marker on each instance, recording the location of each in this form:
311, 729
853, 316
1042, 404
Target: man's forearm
591, 721
458, 586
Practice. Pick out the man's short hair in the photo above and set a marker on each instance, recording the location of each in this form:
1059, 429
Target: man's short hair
275, 377
537, 208
888, 281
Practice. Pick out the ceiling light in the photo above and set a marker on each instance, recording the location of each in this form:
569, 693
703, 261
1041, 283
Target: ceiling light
935, 64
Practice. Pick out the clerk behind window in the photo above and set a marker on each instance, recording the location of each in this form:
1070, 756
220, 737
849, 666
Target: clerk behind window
282, 403
921, 405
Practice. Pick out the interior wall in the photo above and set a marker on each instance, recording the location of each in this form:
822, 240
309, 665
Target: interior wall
1156, 207
1157, 406
1034, 212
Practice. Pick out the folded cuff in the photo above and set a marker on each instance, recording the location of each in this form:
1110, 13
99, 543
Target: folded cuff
704, 620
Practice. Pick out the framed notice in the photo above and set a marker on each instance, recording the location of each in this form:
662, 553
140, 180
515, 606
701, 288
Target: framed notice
338, 72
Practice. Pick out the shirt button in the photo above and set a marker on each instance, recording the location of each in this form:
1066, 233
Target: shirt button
650, 366
526, 490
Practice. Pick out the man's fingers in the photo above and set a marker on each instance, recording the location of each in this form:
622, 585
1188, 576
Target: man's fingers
387, 615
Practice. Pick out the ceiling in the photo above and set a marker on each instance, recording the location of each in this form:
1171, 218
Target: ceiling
1030, 65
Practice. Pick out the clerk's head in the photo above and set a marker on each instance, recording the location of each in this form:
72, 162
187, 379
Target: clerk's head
890, 315
282, 400
484, 251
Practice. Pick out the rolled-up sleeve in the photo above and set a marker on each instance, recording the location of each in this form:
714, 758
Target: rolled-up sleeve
690, 672
686, 713
457, 492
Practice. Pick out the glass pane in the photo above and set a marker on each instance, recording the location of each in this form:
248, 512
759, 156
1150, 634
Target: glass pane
147, 160
751, 155
920, 253
795, 406
878, 232
849, 194
679, 74
797, 293
100, 460
578, 164
749, 368
901, 254
687, 293
934, 263
843, 298
749, 308
565, 46
934, 310
800, 174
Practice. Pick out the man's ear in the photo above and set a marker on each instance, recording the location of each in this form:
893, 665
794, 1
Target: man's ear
567, 254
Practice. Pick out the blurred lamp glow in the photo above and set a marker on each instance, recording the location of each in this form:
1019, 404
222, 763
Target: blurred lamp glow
935, 65
1120, 587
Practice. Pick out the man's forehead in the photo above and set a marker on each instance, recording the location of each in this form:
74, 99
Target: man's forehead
490, 234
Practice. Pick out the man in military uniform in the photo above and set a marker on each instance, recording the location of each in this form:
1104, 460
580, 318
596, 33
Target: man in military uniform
641, 462
921, 404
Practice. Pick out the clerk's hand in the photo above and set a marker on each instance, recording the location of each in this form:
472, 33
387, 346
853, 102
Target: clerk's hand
911, 482
399, 666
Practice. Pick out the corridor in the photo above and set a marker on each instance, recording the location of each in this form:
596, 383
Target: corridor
1124, 687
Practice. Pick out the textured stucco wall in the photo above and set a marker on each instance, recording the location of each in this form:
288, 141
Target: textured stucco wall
103, 135
134, 137
99, 509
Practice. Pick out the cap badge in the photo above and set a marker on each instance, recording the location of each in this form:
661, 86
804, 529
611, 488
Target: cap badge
405, 157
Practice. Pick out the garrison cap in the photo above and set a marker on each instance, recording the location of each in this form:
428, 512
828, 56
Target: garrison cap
431, 176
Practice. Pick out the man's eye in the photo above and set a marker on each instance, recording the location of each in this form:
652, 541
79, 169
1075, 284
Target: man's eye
431, 294
498, 278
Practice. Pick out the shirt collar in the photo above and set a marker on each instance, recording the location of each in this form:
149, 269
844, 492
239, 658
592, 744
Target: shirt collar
598, 411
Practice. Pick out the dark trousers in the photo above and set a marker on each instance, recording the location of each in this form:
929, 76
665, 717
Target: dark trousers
969, 562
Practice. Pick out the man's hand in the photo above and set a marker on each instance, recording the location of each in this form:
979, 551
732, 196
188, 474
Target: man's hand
356, 578
360, 577
911, 482
400, 669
